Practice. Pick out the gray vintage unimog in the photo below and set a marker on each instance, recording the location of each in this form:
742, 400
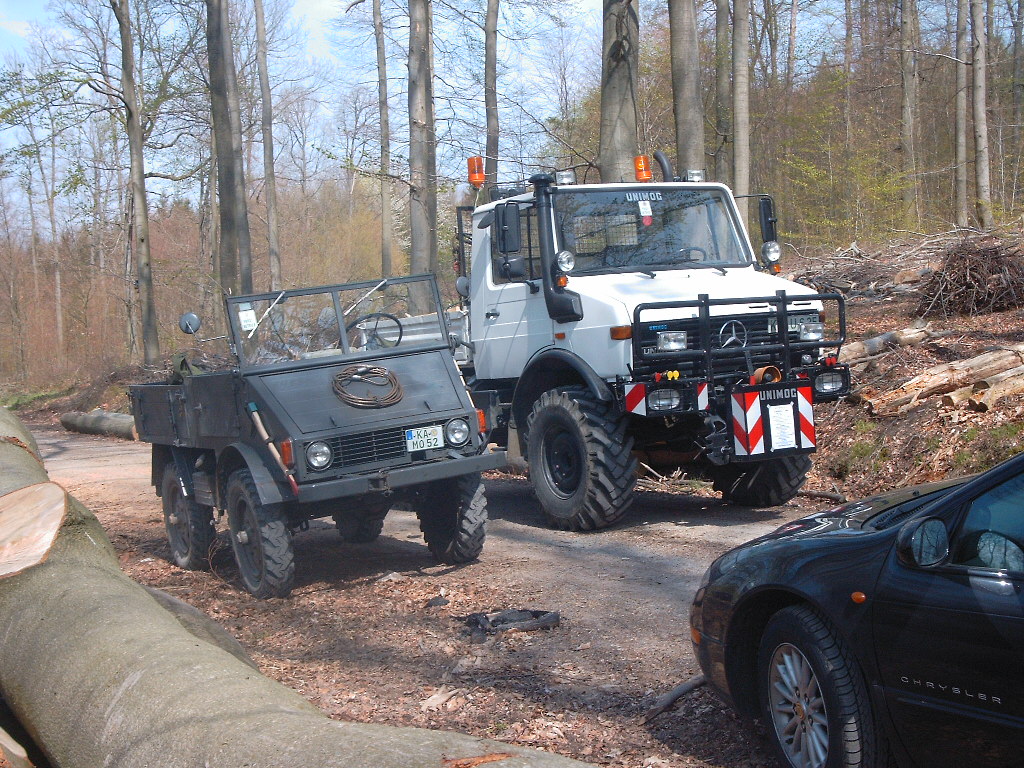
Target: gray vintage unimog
336, 401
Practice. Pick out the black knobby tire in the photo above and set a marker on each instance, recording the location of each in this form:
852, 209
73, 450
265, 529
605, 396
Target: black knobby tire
453, 517
260, 540
581, 459
762, 483
365, 523
813, 697
189, 525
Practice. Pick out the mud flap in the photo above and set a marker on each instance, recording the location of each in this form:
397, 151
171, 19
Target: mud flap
772, 420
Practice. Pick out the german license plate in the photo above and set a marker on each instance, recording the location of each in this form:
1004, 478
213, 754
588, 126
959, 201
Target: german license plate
424, 438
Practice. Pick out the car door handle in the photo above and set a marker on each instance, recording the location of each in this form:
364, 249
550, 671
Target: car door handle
491, 313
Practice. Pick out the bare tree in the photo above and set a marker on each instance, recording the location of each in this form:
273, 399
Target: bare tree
686, 94
619, 63
979, 43
491, 90
960, 205
386, 216
741, 101
267, 126
723, 91
908, 133
422, 140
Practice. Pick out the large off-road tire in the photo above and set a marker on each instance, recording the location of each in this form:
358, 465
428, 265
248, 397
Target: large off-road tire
453, 517
581, 459
189, 525
260, 539
762, 483
364, 522
813, 697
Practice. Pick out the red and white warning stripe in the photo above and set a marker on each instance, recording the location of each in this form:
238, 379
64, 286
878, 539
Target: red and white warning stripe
808, 439
636, 399
747, 426
702, 396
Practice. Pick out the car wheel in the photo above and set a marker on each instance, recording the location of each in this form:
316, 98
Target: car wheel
364, 524
260, 540
581, 460
813, 697
189, 525
762, 483
453, 517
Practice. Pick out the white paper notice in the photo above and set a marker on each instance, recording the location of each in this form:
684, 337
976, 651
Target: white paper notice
780, 422
645, 208
247, 319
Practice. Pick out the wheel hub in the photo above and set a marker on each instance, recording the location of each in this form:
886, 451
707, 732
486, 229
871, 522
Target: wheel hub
563, 462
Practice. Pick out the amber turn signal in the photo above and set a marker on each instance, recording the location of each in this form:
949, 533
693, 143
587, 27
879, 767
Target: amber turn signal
561, 281
287, 457
481, 419
642, 168
858, 597
621, 332
477, 177
695, 635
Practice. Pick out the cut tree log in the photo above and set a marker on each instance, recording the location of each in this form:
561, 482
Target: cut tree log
998, 378
99, 422
908, 337
984, 399
958, 396
100, 674
946, 377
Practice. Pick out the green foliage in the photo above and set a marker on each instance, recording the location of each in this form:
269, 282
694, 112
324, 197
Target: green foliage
985, 448
17, 400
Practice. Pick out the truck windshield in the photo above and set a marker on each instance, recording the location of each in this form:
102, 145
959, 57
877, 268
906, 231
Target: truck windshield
336, 321
619, 230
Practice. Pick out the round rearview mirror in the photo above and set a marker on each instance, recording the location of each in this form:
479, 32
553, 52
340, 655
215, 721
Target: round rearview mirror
929, 544
189, 322
462, 286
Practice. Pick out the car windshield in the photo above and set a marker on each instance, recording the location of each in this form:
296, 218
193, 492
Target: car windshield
336, 321
668, 228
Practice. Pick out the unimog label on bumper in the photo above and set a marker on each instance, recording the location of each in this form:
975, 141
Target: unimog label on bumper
774, 419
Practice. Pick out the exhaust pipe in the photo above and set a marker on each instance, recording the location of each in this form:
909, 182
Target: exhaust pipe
666, 166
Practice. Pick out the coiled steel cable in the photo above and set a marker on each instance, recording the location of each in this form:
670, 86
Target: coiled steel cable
374, 376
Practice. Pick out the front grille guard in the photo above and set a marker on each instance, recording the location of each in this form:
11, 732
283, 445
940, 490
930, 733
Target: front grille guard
645, 363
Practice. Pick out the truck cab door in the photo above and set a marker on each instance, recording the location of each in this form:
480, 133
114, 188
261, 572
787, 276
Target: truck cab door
508, 318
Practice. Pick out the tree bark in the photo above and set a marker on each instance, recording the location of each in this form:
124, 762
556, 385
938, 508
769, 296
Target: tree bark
100, 423
491, 91
741, 103
908, 337
962, 216
619, 61
687, 101
267, 127
908, 94
422, 171
723, 92
386, 224
82, 638
983, 187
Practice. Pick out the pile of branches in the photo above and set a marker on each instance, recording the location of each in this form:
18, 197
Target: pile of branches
978, 275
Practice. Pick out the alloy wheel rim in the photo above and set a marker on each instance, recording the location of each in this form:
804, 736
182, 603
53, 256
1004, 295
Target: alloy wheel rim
797, 708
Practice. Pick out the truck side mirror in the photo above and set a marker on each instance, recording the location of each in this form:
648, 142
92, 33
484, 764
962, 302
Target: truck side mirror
507, 228
766, 213
189, 322
513, 267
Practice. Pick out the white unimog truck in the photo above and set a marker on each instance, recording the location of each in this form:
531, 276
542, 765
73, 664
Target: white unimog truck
609, 321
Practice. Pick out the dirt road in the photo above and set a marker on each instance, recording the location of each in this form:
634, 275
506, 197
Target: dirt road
358, 638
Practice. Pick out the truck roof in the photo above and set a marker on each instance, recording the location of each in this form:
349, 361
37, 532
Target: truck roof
528, 196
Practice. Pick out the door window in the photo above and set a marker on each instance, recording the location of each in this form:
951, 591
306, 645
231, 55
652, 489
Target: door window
992, 533
530, 249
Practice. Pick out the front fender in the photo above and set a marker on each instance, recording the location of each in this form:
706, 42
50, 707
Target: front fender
239, 455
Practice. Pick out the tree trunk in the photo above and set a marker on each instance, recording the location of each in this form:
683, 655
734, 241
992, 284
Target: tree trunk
227, 248
1017, 95
267, 125
962, 216
908, 94
101, 674
741, 103
491, 91
723, 92
686, 94
619, 61
908, 337
100, 423
983, 191
791, 48
137, 182
240, 205
422, 171
386, 225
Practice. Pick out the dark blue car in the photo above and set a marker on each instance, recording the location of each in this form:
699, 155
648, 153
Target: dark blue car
885, 631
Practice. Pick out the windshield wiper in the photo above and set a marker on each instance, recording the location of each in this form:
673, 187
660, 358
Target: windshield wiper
694, 264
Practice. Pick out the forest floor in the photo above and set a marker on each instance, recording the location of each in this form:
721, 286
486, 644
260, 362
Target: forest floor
377, 632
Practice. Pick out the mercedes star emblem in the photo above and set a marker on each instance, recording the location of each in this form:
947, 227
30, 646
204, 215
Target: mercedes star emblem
732, 334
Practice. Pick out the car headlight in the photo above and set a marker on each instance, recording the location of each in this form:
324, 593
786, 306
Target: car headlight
828, 382
456, 432
566, 261
319, 455
671, 341
663, 400
812, 331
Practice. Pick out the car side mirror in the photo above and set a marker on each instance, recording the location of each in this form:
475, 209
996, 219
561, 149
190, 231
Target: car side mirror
766, 215
189, 323
507, 226
923, 543
462, 286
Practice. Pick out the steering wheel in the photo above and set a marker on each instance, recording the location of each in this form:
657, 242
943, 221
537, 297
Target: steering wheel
380, 331
687, 250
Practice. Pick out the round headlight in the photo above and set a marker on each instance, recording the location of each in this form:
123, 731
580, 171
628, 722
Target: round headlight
566, 261
830, 381
319, 455
771, 252
456, 432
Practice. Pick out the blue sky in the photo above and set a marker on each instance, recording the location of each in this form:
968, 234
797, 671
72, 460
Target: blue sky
15, 16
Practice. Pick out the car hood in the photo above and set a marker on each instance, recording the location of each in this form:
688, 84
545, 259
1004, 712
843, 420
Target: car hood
633, 288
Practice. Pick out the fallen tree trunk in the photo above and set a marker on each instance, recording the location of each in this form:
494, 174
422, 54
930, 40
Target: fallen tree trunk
984, 399
947, 377
908, 337
100, 674
101, 423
